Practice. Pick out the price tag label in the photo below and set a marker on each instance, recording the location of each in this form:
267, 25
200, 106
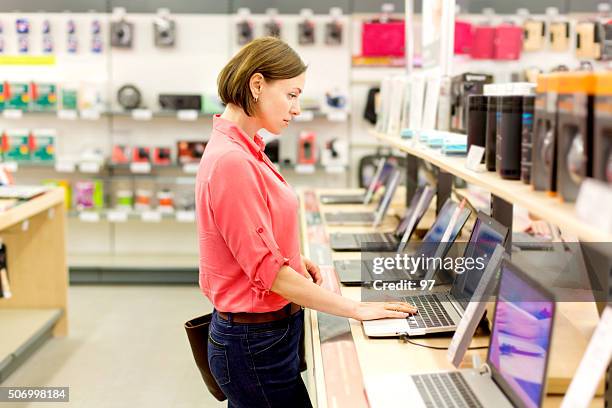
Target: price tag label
474, 157
141, 168
334, 169
190, 168
89, 216
151, 216
117, 216
593, 204
11, 166
89, 167
142, 114
185, 216
64, 166
12, 114
187, 114
90, 114
305, 116
305, 168
337, 116
67, 114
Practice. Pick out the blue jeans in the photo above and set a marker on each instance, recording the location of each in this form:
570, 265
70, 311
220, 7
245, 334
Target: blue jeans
257, 365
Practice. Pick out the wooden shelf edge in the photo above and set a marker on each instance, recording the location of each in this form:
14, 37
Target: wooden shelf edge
513, 191
31, 208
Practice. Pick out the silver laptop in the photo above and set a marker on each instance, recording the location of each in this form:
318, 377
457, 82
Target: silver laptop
387, 241
383, 170
442, 311
515, 371
357, 272
365, 218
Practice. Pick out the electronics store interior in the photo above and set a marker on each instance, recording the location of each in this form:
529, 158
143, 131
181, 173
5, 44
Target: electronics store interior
476, 133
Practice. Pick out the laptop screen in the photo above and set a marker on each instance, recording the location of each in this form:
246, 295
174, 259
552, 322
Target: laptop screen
385, 201
388, 187
383, 177
413, 217
432, 239
401, 227
482, 244
374, 181
520, 339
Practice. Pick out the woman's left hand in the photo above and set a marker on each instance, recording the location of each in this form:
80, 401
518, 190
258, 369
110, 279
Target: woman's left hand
313, 270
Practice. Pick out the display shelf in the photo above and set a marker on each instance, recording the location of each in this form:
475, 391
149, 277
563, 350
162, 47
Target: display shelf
188, 168
113, 215
139, 114
33, 233
133, 261
143, 114
513, 191
22, 330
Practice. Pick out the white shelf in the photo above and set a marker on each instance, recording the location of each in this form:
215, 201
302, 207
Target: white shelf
133, 261
21, 327
513, 191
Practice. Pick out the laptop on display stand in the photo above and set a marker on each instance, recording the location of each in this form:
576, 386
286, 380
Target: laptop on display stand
357, 272
365, 218
386, 241
383, 170
442, 311
515, 371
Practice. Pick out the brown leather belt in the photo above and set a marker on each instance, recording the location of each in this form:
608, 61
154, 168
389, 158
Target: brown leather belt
266, 317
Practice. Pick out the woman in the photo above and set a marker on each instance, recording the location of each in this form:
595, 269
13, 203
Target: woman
250, 264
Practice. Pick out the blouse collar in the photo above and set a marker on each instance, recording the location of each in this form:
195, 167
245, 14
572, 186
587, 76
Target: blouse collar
256, 145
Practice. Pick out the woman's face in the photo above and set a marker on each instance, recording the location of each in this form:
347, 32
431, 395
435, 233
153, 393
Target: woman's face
278, 102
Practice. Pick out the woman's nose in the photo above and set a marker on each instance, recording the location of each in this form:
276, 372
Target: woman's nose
295, 108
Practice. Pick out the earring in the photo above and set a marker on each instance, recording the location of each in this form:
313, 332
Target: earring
255, 97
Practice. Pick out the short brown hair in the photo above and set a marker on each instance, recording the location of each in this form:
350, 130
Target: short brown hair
270, 57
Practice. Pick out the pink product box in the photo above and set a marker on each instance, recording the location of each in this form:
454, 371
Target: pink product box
508, 42
483, 42
382, 39
463, 37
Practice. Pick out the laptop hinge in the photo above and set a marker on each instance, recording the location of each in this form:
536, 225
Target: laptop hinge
479, 366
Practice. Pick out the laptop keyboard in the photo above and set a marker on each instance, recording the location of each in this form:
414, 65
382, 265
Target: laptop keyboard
445, 390
431, 312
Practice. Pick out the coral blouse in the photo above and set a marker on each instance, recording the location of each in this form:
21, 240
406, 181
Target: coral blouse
247, 219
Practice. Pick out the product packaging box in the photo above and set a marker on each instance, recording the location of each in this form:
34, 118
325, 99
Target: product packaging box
89, 195
190, 152
16, 145
43, 145
16, 95
43, 97
65, 185
69, 97
120, 154
162, 156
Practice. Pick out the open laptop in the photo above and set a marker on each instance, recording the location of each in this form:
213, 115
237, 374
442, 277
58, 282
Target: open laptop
442, 311
365, 218
382, 173
517, 360
387, 241
350, 271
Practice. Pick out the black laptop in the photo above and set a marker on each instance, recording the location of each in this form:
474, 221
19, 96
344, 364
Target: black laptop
350, 271
382, 173
369, 217
387, 241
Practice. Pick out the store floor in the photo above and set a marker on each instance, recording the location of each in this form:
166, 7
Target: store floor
126, 348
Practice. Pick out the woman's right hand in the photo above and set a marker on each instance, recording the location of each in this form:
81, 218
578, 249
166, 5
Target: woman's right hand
383, 310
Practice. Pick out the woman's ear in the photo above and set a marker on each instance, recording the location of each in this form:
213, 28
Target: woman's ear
255, 84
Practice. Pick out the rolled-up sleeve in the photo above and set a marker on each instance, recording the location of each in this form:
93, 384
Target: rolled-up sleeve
239, 204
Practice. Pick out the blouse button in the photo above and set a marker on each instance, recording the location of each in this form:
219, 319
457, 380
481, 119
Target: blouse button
260, 230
